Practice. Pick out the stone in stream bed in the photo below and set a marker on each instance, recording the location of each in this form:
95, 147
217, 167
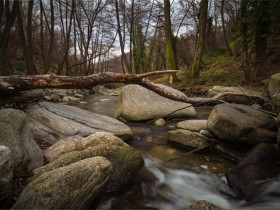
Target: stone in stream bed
241, 125
136, 103
51, 122
203, 205
192, 125
187, 139
74, 186
126, 160
259, 164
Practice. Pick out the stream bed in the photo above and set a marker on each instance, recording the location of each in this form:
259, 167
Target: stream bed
170, 179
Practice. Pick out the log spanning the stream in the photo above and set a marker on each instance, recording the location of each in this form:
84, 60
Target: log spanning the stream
14, 84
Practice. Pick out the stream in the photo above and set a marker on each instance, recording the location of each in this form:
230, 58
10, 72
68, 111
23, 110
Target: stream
164, 183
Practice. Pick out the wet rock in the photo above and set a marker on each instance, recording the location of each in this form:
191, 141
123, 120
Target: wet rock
70, 98
261, 152
15, 134
6, 171
160, 122
73, 186
203, 205
206, 133
136, 103
193, 125
259, 164
242, 176
187, 139
241, 124
108, 92
274, 84
126, 160
51, 122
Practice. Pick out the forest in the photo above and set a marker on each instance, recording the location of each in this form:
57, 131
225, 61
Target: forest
129, 104
84, 37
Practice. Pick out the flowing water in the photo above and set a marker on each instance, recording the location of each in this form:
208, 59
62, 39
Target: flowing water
170, 179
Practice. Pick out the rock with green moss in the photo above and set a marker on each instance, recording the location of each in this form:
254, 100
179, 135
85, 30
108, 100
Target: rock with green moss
126, 160
136, 103
74, 186
187, 139
51, 122
203, 205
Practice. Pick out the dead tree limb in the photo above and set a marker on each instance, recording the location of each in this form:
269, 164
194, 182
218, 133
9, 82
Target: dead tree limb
14, 84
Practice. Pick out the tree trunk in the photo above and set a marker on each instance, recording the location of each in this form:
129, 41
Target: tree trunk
169, 46
5, 35
14, 84
248, 76
197, 63
224, 28
261, 32
124, 58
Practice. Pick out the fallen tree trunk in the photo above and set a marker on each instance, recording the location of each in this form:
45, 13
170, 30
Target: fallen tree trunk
14, 84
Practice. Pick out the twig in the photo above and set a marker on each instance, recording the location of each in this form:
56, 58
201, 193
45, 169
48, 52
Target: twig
191, 152
153, 120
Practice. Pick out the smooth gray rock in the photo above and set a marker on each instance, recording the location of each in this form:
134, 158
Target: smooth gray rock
186, 138
15, 134
136, 103
51, 122
6, 171
109, 92
278, 136
126, 160
73, 186
193, 125
241, 124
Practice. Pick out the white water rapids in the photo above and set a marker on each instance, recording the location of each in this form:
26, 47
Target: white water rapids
180, 188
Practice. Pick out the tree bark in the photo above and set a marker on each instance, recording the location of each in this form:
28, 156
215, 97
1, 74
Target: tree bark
169, 46
197, 63
224, 27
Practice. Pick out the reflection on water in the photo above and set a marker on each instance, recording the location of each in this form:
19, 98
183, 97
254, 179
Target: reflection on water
165, 184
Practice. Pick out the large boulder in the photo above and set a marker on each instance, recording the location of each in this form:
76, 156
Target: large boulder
74, 186
51, 122
241, 124
259, 164
126, 160
6, 171
136, 103
15, 134
187, 139
274, 84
